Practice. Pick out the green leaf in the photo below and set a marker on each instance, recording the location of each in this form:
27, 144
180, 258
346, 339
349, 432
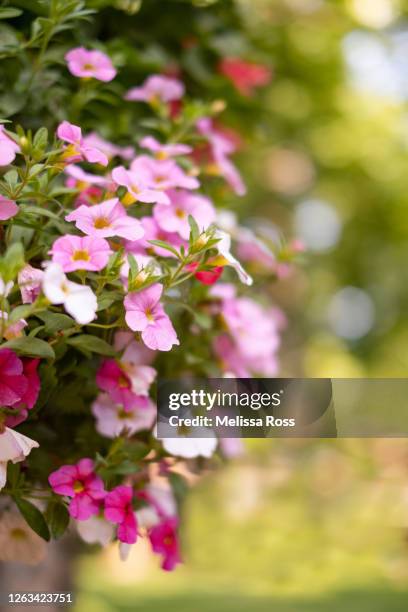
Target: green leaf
20, 312
195, 231
12, 262
31, 347
9, 12
33, 517
92, 344
41, 138
133, 268
58, 518
165, 245
55, 322
37, 210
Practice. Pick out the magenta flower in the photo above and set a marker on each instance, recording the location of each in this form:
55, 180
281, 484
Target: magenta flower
152, 231
162, 174
137, 186
8, 208
81, 484
111, 377
174, 218
76, 150
157, 88
29, 281
8, 148
162, 151
89, 64
114, 419
118, 509
13, 383
106, 219
164, 541
80, 253
29, 398
144, 313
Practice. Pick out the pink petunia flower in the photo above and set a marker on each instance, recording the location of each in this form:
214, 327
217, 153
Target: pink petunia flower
174, 218
13, 383
8, 208
154, 232
162, 174
164, 541
14, 447
78, 178
76, 150
106, 219
138, 187
81, 484
164, 151
221, 147
29, 281
80, 253
29, 398
118, 509
245, 76
8, 148
114, 419
144, 313
89, 64
111, 150
113, 378
157, 88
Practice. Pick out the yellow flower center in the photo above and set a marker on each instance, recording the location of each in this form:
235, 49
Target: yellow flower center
80, 256
78, 486
18, 534
180, 213
88, 67
149, 314
101, 223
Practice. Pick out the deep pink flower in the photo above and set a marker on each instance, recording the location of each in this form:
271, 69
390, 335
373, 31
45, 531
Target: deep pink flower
164, 541
206, 277
162, 174
111, 377
245, 76
76, 150
29, 281
80, 253
221, 147
157, 88
164, 151
88, 64
174, 218
106, 219
8, 208
13, 383
152, 231
139, 188
29, 398
118, 509
81, 484
144, 313
8, 148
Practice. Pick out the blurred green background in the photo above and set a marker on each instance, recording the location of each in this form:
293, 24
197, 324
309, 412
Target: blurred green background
309, 525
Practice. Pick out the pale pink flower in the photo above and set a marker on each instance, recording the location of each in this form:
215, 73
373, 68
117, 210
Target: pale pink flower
78, 178
106, 219
157, 88
76, 150
141, 376
139, 188
88, 64
8, 208
162, 174
96, 530
29, 282
78, 300
14, 447
79, 482
251, 248
109, 148
8, 148
174, 218
114, 419
136, 352
80, 253
144, 313
221, 148
118, 509
152, 231
12, 330
164, 151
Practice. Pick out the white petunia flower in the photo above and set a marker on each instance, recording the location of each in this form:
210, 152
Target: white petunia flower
223, 247
187, 446
13, 447
78, 300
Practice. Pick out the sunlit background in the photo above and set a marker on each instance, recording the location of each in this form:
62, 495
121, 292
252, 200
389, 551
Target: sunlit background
310, 525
